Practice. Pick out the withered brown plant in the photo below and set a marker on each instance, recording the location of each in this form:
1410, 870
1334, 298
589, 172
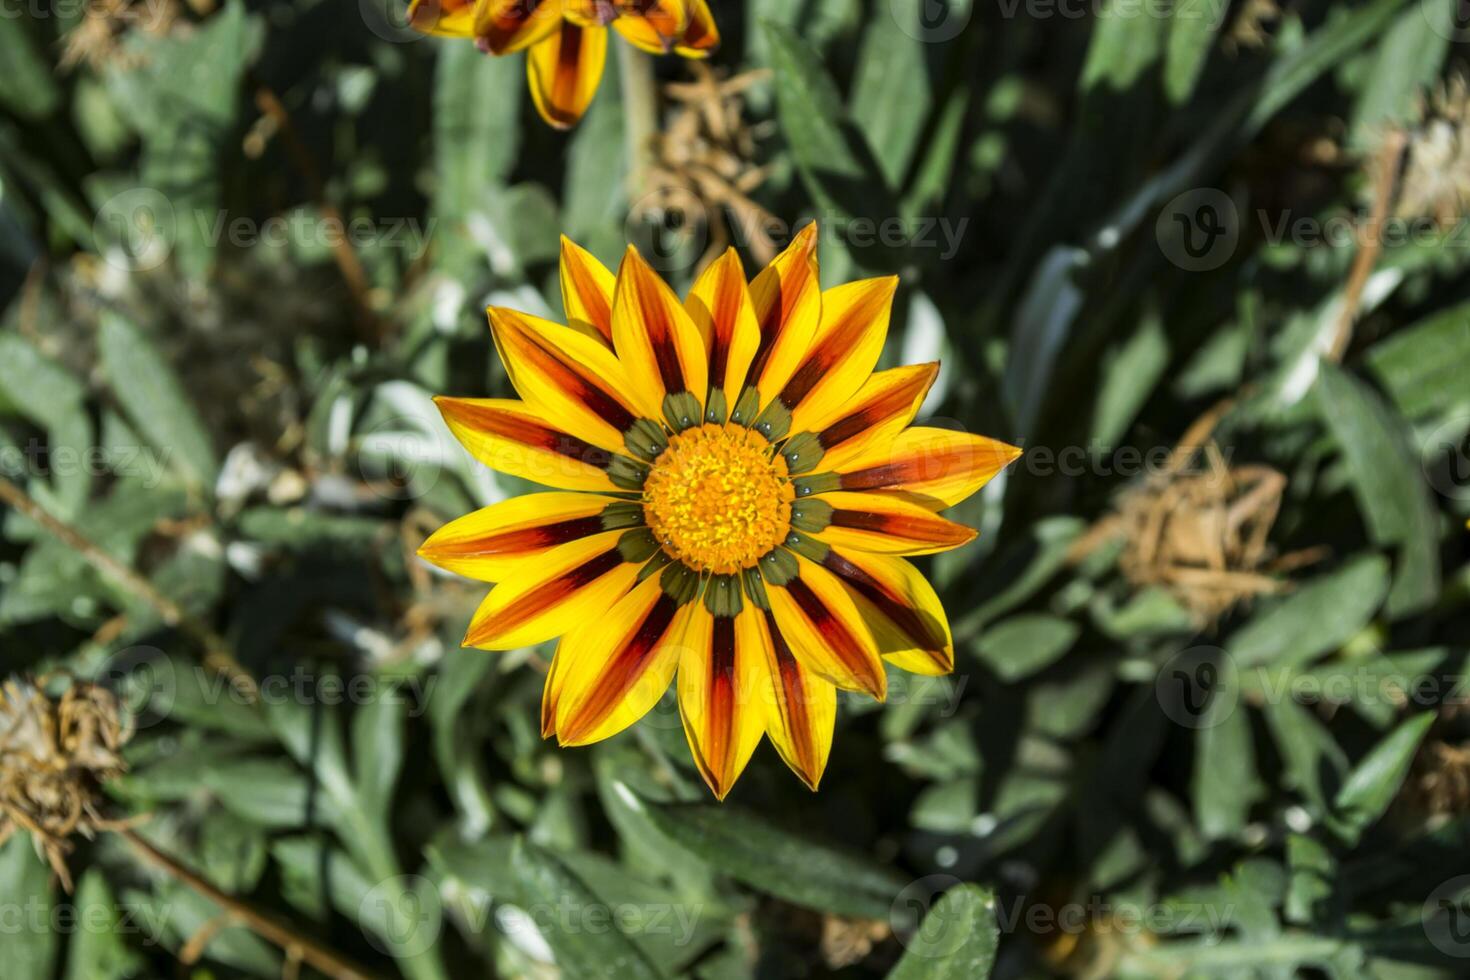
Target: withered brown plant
55, 755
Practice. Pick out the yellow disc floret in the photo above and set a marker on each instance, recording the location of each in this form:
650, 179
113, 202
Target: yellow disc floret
718, 498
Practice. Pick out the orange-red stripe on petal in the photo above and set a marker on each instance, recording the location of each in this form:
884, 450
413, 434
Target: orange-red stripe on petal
652, 25
567, 374
574, 582
720, 306
494, 542
882, 407
899, 606
445, 18
702, 35
718, 700
619, 665
586, 289
823, 627
655, 339
504, 26
801, 708
512, 437
938, 467
885, 524
564, 70
788, 307
849, 340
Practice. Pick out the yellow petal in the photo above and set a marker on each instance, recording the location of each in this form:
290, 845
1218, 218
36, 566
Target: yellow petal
444, 18
569, 586
720, 306
586, 289
822, 625
617, 665
890, 525
936, 467
846, 348
885, 404
564, 69
788, 307
512, 437
800, 708
505, 26
702, 35
718, 698
566, 375
657, 342
901, 609
652, 25
494, 542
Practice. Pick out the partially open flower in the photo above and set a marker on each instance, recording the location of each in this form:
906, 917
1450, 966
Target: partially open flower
566, 40
55, 754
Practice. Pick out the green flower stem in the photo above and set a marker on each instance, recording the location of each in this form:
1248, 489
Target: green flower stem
640, 113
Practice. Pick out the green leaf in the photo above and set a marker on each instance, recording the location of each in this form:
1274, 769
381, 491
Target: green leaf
1388, 482
35, 387
27, 86
958, 938
269, 792
1225, 783
594, 197
587, 942
154, 400
1192, 31
890, 90
25, 881
833, 158
1024, 564
769, 859
97, 951
1406, 61
1126, 42
1375, 780
1321, 615
1421, 366
1315, 763
1130, 372
477, 136
1313, 871
377, 750
181, 94
1022, 645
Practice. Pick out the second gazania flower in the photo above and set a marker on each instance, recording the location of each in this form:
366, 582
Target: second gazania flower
566, 40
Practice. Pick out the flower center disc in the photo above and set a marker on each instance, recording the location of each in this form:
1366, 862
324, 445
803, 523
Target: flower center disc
718, 499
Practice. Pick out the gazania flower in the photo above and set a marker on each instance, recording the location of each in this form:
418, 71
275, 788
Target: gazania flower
567, 39
736, 487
